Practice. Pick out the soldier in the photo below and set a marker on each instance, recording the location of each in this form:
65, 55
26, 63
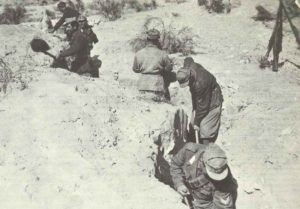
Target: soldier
206, 99
218, 6
202, 171
155, 68
69, 15
78, 48
87, 30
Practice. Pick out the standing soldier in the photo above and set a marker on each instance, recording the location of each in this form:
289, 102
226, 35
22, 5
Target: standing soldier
155, 68
206, 99
202, 171
69, 15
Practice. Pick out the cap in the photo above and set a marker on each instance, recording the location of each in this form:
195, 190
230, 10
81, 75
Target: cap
187, 62
183, 76
82, 18
61, 4
215, 161
153, 34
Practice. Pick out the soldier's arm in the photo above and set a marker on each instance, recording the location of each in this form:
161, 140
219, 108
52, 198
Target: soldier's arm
176, 168
201, 104
167, 63
75, 47
59, 23
136, 67
95, 38
225, 196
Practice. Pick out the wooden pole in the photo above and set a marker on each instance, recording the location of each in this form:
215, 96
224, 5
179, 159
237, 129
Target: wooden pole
294, 29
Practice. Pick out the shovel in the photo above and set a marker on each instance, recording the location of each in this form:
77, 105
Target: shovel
39, 45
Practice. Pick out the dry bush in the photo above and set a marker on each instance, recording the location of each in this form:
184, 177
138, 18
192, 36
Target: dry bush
111, 9
171, 40
12, 14
177, 1
141, 5
5, 75
79, 6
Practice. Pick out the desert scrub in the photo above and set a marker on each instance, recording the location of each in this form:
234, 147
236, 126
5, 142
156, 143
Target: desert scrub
171, 40
12, 14
5, 75
79, 6
141, 5
111, 9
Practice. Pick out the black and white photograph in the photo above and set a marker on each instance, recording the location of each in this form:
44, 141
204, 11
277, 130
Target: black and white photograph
150, 104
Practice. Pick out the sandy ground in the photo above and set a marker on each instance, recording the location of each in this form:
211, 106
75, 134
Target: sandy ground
75, 142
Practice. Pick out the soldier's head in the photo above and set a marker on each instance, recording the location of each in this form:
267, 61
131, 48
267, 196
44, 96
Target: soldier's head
82, 20
184, 74
71, 27
61, 6
215, 161
153, 36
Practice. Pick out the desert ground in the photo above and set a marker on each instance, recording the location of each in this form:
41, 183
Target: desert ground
74, 142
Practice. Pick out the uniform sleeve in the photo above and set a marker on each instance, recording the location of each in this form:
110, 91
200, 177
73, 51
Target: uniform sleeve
167, 63
176, 168
60, 22
75, 47
201, 103
225, 196
136, 67
95, 38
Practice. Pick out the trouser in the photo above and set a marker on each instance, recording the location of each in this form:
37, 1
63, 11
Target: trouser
77, 64
209, 127
86, 66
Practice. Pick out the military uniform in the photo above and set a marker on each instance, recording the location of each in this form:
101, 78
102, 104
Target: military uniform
90, 35
80, 50
69, 14
155, 67
206, 98
188, 168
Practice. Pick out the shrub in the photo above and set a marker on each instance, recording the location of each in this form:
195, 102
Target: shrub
141, 5
111, 9
5, 75
177, 1
171, 40
79, 6
12, 14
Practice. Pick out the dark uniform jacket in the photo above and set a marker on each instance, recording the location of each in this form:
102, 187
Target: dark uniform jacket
188, 168
206, 92
91, 36
68, 13
79, 48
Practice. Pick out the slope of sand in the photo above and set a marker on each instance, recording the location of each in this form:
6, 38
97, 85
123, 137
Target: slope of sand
75, 142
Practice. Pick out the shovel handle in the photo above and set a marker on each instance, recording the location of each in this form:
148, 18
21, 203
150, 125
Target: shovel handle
49, 54
186, 200
197, 137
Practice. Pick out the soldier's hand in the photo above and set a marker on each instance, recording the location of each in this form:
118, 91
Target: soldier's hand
196, 128
183, 190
